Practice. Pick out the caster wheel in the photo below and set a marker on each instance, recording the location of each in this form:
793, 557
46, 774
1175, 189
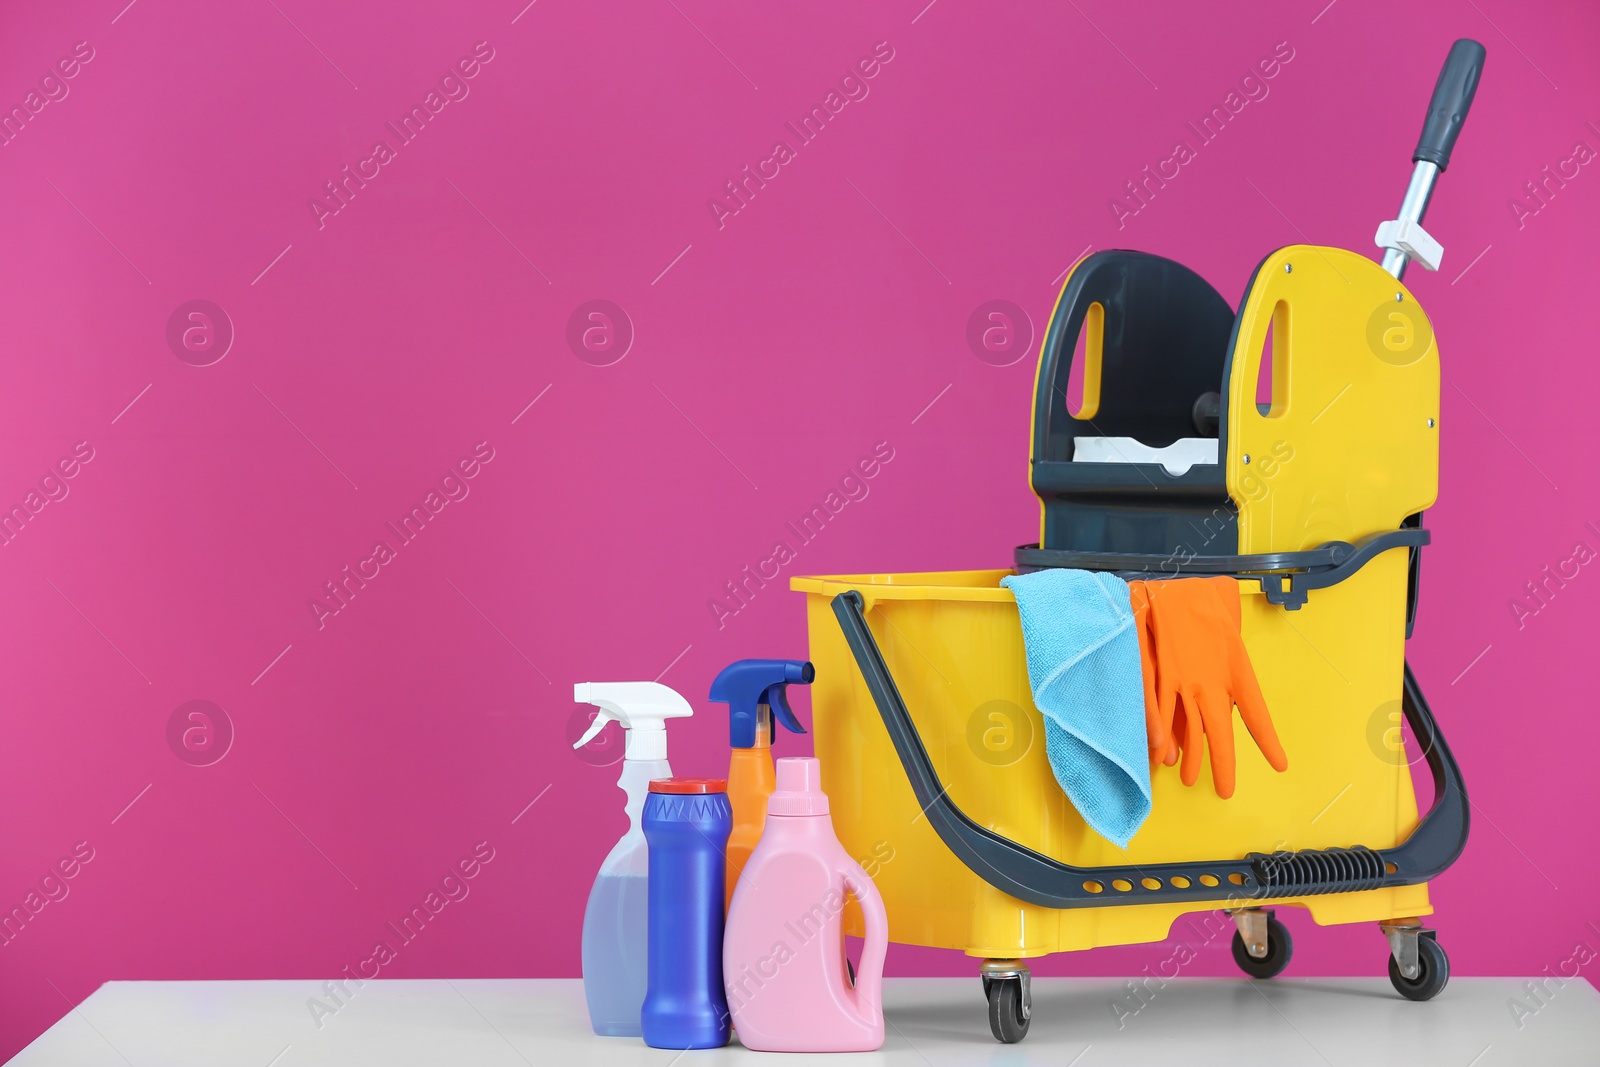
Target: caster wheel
1009, 1010
1433, 971
1280, 950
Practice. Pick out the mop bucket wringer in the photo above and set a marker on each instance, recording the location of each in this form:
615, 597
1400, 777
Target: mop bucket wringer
1293, 446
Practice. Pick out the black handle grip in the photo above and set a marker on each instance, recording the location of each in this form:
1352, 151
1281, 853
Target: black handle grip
1452, 96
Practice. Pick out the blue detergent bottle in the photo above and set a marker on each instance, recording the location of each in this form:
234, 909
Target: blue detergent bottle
615, 923
686, 822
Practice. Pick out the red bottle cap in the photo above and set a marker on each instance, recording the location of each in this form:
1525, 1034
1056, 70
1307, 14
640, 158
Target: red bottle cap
688, 785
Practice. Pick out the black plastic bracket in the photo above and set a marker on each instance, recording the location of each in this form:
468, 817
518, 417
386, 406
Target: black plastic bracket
1031, 876
1314, 568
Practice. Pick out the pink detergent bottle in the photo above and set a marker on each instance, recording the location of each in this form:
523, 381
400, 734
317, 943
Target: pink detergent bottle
783, 961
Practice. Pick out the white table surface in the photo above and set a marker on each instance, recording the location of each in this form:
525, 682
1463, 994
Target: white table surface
933, 1022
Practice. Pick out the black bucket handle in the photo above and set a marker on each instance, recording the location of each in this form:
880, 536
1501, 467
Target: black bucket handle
1031, 876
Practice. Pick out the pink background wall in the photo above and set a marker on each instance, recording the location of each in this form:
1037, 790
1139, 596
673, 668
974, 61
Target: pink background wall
376, 347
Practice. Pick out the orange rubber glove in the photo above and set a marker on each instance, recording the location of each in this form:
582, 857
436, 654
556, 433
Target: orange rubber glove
1163, 749
1201, 666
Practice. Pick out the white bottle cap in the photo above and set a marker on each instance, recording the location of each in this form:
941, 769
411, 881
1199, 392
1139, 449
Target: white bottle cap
642, 708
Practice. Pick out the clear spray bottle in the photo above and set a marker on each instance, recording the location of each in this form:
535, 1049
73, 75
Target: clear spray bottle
614, 923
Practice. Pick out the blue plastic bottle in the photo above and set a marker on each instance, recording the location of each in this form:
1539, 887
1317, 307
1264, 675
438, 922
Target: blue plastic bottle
686, 823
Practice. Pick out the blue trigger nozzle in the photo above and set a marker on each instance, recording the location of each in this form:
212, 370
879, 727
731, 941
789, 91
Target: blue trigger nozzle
748, 684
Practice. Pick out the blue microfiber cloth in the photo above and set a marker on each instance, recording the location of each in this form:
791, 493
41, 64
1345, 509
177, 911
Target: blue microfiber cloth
1083, 663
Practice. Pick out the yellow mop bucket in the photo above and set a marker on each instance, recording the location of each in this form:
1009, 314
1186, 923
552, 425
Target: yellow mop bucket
1311, 497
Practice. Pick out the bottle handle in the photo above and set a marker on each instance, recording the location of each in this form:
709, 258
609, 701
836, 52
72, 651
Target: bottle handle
869, 977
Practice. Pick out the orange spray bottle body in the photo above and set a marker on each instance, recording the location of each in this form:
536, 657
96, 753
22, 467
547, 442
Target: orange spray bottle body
751, 780
756, 692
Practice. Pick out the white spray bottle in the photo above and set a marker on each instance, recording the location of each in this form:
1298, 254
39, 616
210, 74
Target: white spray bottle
614, 922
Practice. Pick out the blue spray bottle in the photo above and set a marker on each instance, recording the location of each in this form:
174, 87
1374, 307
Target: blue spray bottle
615, 922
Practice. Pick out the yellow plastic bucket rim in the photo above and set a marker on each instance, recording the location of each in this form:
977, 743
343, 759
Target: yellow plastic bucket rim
917, 585
926, 585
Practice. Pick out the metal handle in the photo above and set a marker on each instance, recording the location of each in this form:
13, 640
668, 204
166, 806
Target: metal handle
1404, 238
1452, 97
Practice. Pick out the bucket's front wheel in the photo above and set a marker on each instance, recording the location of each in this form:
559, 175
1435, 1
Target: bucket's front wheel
1432, 971
1009, 1008
1268, 948
1007, 985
